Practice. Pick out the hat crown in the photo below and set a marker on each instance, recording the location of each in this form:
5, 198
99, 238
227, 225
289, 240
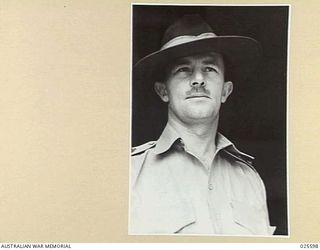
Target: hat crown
192, 25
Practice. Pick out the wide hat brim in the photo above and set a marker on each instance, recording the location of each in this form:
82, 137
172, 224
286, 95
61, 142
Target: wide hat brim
241, 53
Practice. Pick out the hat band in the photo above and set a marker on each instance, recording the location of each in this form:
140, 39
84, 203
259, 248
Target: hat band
185, 39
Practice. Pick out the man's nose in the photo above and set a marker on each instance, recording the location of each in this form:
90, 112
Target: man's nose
197, 79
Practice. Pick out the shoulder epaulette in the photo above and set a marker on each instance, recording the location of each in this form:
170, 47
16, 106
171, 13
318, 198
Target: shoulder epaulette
244, 158
142, 148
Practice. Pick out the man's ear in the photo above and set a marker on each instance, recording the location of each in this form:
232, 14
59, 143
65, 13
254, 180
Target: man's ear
161, 90
226, 91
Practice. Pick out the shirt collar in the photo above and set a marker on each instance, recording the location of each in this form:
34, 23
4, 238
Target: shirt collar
170, 135
167, 138
225, 144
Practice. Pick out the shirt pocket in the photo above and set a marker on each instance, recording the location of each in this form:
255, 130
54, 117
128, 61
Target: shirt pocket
252, 218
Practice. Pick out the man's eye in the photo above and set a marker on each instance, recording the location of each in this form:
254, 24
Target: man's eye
183, 69
210, 69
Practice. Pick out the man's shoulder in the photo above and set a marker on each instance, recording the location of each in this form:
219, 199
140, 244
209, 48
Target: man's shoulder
231, 153
237, 156
141, 149
243, 161
138, 156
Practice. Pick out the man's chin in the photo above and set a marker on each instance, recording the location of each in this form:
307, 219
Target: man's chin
201, 116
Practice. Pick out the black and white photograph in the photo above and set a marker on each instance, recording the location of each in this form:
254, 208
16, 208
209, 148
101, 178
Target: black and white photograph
209, 120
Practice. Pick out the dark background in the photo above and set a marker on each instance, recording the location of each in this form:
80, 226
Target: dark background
254, 117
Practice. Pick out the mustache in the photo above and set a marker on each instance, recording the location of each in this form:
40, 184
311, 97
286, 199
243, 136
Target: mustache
198, 90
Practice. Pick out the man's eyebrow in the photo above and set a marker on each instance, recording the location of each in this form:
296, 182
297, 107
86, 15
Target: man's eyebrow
186, 61
206, 60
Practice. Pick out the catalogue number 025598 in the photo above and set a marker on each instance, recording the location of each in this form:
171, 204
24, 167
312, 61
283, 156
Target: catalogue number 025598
309, 245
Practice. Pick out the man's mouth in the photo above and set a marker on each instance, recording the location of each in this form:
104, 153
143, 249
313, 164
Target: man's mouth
197, 96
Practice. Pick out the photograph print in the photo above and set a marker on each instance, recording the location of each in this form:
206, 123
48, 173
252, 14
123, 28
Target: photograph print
209, 120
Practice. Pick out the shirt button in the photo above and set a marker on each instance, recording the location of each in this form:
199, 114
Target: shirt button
210, 186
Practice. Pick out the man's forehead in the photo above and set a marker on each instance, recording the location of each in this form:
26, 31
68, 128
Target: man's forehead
209, 57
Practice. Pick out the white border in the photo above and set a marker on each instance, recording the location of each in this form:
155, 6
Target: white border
156, 246
287, 118
130, 109
210, 5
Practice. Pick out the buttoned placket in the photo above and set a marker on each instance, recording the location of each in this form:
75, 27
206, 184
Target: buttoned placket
211, 198
211, 192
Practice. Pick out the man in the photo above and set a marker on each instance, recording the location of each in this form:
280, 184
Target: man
193, 180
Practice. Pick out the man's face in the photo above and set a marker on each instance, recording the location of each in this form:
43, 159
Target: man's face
195, 88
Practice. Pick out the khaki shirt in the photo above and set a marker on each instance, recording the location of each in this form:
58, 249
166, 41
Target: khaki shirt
173, 192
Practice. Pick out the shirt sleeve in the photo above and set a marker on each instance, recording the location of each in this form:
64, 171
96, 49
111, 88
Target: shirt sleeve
270, 229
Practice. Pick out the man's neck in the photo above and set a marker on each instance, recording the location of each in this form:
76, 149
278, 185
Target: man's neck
199, 138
